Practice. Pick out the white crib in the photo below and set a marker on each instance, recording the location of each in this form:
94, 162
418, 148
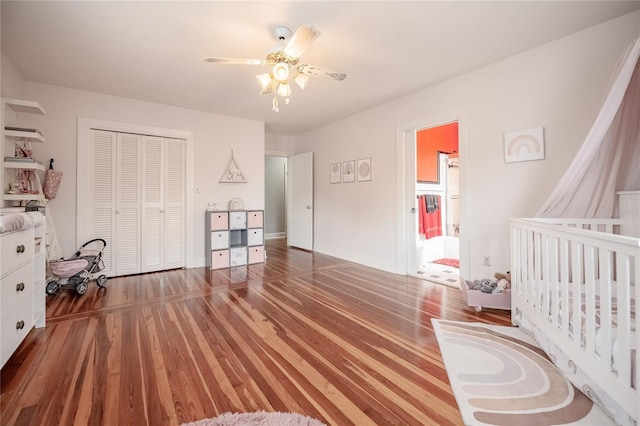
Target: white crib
552, 262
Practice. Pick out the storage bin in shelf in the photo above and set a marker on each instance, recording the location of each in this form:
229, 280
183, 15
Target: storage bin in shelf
478, 299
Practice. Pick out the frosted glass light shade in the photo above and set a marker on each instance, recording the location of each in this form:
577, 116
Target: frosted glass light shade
284, 89
301, 80
264, 80
281, 71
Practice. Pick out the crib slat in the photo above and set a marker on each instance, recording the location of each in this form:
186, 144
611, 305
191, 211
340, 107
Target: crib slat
537, 281
544, 277
605, 305
564, 264
590, 299
530, 281
576, 294
553, 279
623, 299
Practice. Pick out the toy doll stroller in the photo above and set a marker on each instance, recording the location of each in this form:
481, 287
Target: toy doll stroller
76, 272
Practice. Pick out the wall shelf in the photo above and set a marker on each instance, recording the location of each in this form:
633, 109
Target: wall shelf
24, 136
8, 164
29, 107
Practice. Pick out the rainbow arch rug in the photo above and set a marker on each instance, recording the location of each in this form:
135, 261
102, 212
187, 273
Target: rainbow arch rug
499, 376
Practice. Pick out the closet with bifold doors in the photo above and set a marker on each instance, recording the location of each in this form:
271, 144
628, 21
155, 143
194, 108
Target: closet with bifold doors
134, 199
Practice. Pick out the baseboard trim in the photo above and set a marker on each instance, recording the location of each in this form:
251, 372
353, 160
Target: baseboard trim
275, 235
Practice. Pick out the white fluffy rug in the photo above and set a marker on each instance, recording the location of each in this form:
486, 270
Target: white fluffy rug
260, 418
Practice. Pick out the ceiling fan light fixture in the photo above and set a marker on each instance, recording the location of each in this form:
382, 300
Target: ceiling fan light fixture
301, 80
264, 80
281, 71
284, 89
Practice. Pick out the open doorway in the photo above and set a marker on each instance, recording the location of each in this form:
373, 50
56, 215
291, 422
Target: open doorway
275, 225
409, 260
289, 199
438, 206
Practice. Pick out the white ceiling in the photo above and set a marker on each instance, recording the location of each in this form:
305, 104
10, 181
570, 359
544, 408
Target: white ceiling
152, 50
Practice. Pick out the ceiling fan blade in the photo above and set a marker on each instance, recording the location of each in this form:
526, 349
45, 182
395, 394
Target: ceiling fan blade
321, 72
302, 38
238, 61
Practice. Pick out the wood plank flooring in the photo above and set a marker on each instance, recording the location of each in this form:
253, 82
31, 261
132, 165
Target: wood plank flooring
304, 332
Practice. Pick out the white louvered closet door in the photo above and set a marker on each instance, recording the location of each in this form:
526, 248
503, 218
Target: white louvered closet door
101, 194
163, 203
152, 203
135, 198
174, 203
128, 208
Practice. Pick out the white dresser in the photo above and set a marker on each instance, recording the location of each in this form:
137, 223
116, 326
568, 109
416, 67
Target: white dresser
22, 294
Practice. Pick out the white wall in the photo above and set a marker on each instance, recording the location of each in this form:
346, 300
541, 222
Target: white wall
559, 86
280, 144
12, 82
215, 136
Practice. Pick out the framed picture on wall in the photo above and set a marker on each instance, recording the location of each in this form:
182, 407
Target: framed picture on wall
524, 145
334, 173
349, 171
364, 169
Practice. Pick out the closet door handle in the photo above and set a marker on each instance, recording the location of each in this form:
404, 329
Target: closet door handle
20, 248
19, 325
20, 287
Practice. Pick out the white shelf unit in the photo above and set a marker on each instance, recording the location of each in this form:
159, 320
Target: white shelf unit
234, 238
12, 114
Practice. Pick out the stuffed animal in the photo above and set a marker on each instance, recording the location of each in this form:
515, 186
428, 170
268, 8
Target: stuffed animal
503, 286
500, 276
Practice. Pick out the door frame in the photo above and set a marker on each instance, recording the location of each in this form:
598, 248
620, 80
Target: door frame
84, 127
406, 225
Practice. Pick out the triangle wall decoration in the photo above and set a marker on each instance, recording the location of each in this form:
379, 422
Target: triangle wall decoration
232, 173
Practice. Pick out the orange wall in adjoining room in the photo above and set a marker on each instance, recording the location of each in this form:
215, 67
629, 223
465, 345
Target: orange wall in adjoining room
429, 142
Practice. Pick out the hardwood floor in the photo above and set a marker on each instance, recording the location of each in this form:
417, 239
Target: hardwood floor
304, 332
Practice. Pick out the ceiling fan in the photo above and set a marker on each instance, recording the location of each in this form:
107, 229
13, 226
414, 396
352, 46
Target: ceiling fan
285, 62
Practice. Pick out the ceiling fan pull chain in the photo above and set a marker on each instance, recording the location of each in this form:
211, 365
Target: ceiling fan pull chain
275, 104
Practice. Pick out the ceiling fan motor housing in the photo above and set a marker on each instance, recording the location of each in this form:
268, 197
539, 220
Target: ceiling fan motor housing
281, 33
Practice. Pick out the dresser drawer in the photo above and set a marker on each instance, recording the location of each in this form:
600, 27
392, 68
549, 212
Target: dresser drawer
254, 237
256, 254
255, 219
219, 221
16, 288
219, 240
14, 329
238, 256
17, 249
219, 259
237, 220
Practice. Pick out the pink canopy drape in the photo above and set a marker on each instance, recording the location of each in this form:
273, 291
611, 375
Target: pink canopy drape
609, 159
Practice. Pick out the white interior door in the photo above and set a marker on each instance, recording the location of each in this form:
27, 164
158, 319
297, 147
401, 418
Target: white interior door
300, 201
